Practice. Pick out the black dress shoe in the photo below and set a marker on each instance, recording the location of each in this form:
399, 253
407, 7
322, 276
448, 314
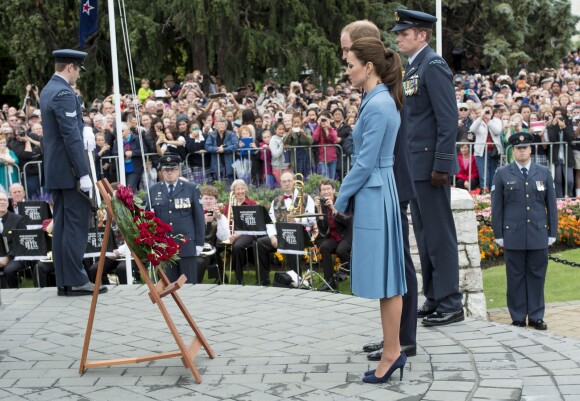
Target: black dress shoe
538, 324
425, 311
519, 323
86, 289
409, 350
443, 318
370, 347
62, 291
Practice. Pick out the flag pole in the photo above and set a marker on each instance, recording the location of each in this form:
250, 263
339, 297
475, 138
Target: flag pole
439, 28
117, 98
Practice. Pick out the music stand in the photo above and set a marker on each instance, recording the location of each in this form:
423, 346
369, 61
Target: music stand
95, 241
293, 239
30, 245
250, 220
34, 213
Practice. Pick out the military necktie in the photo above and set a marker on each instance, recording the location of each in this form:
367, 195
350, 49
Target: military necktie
171, 189
525, 172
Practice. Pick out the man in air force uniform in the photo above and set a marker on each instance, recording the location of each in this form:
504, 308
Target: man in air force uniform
431, 115
66, 172
524, 217
177, 203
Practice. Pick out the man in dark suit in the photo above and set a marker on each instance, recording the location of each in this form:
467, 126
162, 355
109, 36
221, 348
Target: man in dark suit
65, 169
431, 115
10, 221
524, 217
405, 192
177, 203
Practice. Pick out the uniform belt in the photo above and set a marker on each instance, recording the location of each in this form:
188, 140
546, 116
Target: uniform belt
382, 162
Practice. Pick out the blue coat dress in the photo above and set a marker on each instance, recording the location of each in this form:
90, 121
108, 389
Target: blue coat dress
377, 267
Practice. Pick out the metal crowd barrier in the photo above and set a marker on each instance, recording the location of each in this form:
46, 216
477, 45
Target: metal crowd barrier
550, 157
24, 176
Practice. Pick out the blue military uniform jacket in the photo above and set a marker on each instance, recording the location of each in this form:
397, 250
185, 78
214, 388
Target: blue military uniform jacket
431, 114
64, 161
182, 211
524, 211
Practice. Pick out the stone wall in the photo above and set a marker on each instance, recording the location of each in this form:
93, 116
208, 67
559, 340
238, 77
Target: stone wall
470, 277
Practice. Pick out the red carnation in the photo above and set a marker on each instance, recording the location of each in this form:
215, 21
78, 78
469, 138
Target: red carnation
125, 194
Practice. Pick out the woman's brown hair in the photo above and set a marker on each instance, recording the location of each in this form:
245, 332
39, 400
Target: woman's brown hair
387, 64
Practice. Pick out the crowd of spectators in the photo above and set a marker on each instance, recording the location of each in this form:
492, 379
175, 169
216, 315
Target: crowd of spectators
258, 133
545, 104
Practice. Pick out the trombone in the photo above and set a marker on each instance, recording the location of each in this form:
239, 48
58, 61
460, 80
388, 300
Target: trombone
227, 243
297, 207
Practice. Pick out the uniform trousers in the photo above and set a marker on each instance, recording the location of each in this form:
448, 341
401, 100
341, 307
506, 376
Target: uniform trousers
437, 242
186, 265
526, 275
71, 213
408, 330
265, 248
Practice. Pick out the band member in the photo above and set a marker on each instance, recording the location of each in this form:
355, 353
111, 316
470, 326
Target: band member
239, 242
525, 222
431, 116
9, 222
216, 230
334, 232
66, 171
176, 202
279, 211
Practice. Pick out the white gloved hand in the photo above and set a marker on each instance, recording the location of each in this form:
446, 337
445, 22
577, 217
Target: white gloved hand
551, 240
499, 241
89, 138
86, 185
198, 250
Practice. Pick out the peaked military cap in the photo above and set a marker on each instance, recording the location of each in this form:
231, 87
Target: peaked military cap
169, 160
521, 139
412, 19
70, 57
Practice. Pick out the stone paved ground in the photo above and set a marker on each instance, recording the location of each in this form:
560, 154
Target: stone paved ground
271, 344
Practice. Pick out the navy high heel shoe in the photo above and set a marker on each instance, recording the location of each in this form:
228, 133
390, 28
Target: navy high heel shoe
398, 364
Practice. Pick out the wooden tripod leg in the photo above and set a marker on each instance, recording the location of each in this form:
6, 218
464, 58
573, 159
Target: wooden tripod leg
189, 318
188, 362
95, 297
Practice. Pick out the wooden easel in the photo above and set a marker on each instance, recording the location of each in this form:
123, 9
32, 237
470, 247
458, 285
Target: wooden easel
156, 292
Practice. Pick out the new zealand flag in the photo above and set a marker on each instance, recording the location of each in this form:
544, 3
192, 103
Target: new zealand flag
89, 22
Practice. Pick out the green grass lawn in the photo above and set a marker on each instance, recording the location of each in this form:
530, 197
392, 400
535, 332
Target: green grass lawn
561, 282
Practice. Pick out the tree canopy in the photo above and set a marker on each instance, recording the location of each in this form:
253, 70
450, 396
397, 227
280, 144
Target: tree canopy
247, 40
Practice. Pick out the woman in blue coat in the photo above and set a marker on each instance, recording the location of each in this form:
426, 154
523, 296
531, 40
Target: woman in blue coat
377, 267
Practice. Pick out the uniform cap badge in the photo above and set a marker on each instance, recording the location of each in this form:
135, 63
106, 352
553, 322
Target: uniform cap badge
397, 16
521, 137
